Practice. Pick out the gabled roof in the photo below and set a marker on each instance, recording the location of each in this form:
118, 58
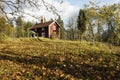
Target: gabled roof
40, 25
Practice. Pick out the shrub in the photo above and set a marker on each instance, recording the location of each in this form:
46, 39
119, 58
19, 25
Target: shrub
3, 37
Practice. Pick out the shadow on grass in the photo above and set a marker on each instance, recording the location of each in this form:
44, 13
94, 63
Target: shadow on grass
84, 71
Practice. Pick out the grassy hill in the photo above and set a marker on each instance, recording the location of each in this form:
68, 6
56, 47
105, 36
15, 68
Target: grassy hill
44, 59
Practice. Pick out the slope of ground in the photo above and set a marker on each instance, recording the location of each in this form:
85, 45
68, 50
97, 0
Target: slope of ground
44, 59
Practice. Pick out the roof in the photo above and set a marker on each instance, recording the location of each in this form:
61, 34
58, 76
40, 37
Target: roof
40, 25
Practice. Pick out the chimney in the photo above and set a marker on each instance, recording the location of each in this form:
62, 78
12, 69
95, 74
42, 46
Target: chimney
43, 20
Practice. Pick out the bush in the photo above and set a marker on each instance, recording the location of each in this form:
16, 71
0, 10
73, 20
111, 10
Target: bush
3, 37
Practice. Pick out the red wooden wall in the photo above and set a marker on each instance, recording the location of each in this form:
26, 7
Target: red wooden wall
57, 31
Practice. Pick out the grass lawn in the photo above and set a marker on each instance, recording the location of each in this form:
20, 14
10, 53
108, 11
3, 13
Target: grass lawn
44, 59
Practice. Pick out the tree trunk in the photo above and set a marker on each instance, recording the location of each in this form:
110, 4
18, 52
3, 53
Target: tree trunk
93, 35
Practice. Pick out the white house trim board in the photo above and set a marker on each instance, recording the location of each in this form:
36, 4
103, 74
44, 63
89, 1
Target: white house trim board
49, 30
51, 23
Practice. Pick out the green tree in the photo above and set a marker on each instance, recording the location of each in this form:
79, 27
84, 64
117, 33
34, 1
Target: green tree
106, 17
62, 29
2, 24
19, 27
91, 17
111, 15
6, 29
27, 26
81, 22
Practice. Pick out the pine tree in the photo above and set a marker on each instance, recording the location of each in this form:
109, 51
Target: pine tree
27, 25
81, 22
62, 29
19, 27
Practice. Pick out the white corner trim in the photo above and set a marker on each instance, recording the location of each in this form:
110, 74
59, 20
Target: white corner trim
50, 26
52, 23
49, 31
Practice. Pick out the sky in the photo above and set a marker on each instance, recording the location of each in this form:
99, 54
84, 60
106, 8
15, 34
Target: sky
66, 9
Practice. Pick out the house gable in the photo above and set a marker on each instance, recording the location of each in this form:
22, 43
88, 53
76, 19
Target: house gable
54, 28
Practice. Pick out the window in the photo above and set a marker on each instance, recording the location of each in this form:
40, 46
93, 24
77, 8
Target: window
43, 34
35, 29
54, 35
43, 29
54, 27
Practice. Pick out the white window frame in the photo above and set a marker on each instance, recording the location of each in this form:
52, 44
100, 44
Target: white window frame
43, 29
43, 34
54, 27
54, 34
35, 29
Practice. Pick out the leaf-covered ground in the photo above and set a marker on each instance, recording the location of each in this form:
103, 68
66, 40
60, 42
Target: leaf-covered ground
43, 59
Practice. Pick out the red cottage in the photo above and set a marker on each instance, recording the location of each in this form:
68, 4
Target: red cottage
50, 29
